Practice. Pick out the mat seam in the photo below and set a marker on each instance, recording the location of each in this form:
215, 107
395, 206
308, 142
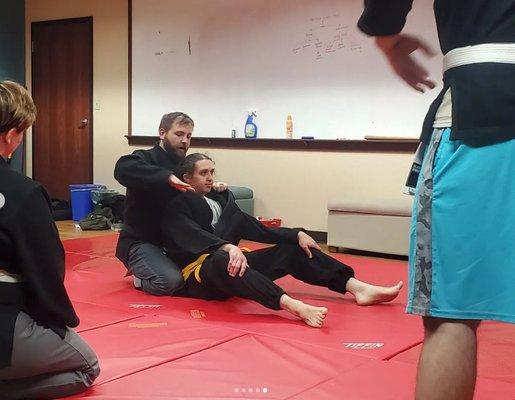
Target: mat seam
91, 255
171, 359
294, 340
389, 358
110, 323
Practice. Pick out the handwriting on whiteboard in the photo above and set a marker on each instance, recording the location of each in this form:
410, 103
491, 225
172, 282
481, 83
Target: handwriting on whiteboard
327, 35
162, 52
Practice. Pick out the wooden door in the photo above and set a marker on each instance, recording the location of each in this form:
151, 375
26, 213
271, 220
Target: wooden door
62, 88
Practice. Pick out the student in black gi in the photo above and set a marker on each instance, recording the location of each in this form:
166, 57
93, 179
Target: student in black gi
40, 356
201, 231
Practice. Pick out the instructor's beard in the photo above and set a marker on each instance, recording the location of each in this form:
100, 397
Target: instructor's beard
174, 153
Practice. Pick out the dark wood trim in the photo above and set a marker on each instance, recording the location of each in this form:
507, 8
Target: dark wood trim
91, 99
320, 237
397, 146
61, 21
32, 91
141, 140
130, 66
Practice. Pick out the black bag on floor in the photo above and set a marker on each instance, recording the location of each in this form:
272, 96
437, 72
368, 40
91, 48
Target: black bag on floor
98, 220
117, 204
61, 210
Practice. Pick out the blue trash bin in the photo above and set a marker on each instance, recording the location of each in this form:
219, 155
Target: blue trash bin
80, 196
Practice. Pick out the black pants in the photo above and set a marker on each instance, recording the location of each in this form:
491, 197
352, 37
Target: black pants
159, 275
266, 265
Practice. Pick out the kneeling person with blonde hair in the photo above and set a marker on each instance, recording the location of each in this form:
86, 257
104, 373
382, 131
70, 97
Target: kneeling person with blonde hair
40, 356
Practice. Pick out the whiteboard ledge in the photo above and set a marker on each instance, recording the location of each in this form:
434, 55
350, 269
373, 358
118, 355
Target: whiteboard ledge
394, 138
387, 146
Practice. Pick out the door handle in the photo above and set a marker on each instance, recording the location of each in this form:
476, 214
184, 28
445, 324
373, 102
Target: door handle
83, 124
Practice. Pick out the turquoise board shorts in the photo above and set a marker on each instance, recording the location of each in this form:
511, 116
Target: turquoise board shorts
462, 239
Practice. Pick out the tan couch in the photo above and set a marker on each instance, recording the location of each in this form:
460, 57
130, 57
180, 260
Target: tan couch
380, 225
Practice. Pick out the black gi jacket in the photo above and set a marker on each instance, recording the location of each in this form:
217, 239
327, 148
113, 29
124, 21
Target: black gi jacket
145, 174
187, 230
30, 247
483, 95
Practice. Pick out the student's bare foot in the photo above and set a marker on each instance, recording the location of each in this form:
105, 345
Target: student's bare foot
311, 315
367, 294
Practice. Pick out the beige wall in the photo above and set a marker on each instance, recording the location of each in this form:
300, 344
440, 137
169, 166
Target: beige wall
293, 185
296, 186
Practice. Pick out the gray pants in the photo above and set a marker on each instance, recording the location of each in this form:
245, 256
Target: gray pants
44, 366
159, 275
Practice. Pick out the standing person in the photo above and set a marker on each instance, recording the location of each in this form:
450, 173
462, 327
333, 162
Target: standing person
40, 356
201, 231
151, 183
462, 258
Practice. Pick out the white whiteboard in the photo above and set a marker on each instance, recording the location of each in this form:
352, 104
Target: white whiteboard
216, 59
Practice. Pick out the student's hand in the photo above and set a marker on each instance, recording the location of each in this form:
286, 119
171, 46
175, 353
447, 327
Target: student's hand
306, 242
176, 183
219, 186
237, 260
398, 50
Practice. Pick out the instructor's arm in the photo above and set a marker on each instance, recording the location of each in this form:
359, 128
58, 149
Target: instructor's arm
385, 20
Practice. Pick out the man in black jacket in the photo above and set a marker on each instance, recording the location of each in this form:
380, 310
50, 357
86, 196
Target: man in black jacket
201, 231
40, 356
463, 226
151, 183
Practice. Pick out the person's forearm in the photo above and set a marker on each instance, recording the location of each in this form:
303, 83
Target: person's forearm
226, 247
386, 43
133, 172
384, 17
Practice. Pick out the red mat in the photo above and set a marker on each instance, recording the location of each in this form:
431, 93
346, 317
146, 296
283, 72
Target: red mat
389, 380
73, 259
343, 330
95, 316
141, 343
374, 330
179, 348
243, 368
370, 330
100, 246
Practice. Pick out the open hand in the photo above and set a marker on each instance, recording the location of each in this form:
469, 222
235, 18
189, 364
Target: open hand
219, 186
237, 261
398, 50
176, 183
306, 242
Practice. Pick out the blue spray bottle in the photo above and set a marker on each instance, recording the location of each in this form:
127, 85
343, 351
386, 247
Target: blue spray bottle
250, 126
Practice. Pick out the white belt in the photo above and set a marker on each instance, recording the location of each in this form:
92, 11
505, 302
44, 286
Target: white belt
480, 53
7, 277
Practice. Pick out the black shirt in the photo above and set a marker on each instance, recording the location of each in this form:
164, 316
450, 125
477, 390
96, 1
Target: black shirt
145, 174
483, 95
30, 247
188, 233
